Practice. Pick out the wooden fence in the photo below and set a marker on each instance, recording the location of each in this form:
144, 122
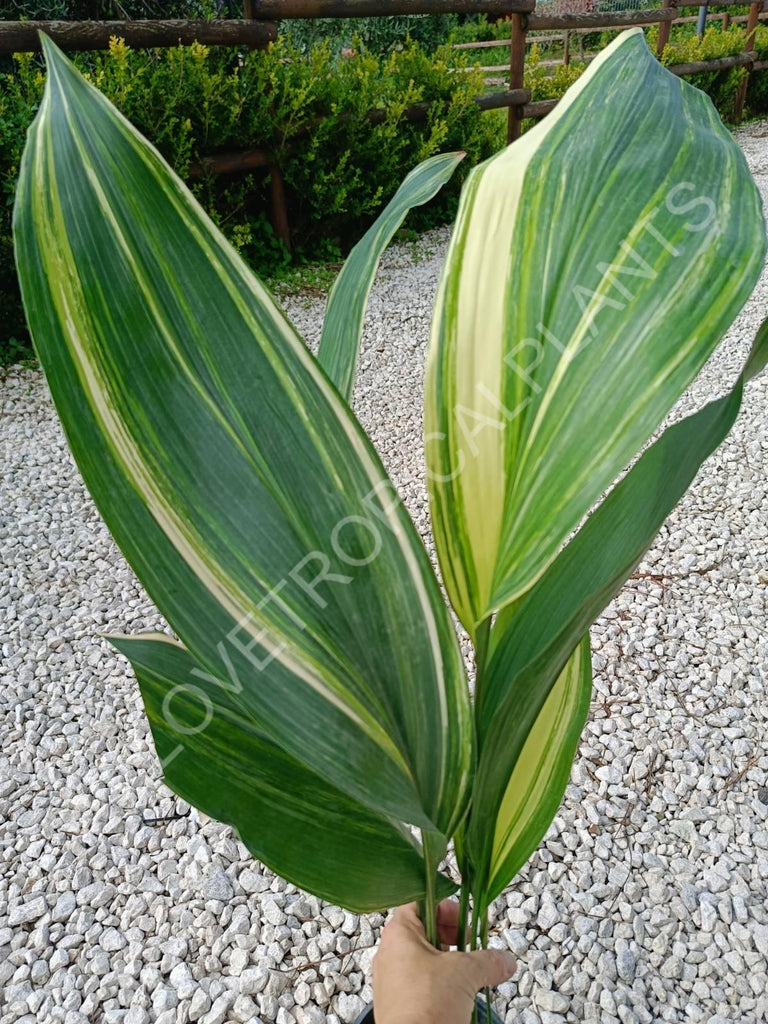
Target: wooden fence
257, 29
566, 38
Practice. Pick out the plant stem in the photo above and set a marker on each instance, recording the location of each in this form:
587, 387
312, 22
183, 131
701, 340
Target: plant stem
433, 845
484, 941
481, 656
461, 938
481, 640
475, 930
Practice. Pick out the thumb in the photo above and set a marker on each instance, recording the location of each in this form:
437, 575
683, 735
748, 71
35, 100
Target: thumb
489, 967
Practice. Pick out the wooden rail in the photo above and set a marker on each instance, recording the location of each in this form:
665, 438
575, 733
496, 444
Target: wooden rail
738, 60
275, 10
563, 37
559, 37
595, 22
24, 36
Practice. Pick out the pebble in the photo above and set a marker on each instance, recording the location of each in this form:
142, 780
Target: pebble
28, 911
760, 936
218, 887
64, 908
254, 980
348, 1007
199, 1004
552, 1001
220, 1008
182, 981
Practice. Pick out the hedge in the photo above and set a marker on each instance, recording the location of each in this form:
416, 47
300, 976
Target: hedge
308, 106
310, 111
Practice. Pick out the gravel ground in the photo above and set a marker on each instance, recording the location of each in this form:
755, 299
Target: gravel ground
647, 900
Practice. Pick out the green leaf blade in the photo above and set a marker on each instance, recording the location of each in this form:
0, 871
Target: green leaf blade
237, 483
215, 756
537, 783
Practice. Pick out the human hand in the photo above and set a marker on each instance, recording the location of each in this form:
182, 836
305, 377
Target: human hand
414, 983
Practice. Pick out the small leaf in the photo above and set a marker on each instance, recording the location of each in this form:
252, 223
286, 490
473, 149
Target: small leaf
345, 312
536, 786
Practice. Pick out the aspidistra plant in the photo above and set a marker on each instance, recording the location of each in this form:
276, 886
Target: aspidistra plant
314, 695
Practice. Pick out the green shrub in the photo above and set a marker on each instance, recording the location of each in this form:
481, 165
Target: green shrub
684, 48
757, 87
721, 86
309, 111
480, 29
549, 83
379, 35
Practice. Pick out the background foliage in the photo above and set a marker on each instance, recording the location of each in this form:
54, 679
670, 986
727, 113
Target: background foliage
309, 111
306, 101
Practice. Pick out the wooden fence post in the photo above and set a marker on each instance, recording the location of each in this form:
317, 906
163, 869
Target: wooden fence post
280, 223
516, 73
567, 48
664, 29
279, 206
726, 21
749, 44
249, 14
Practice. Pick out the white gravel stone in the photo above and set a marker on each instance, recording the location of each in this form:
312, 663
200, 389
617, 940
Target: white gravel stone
182, 981
64, 908
552, 1001
252, 881
218, 887
199, 1004
136, 1015
254, 980
220, 1008
348, 1007
760, 936
27, 911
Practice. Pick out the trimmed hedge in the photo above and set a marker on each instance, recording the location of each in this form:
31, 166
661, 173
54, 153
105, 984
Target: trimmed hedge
310, 111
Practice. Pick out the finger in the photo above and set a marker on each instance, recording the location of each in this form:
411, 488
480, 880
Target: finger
407, 914
489, 967
406, 923
448, 922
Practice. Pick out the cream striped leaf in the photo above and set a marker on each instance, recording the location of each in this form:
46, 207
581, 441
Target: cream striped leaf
536, 786
216, 757
345, 312
238, 484
594, 266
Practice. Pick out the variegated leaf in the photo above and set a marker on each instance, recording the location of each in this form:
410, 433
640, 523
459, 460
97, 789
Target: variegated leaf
238, 484
536, 786
215, 756
594, 266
